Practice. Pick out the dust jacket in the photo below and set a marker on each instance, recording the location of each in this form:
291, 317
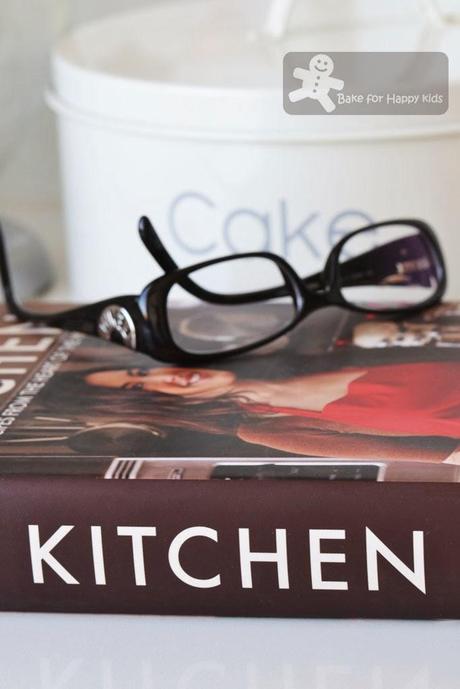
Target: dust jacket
314, 478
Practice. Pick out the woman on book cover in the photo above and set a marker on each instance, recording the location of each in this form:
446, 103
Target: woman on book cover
394, 411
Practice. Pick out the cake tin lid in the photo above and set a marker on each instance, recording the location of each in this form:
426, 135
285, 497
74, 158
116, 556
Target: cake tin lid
205, 69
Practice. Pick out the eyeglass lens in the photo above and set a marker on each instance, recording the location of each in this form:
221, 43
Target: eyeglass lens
390, 267
201, 327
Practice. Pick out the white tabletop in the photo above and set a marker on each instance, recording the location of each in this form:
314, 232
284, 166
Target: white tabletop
114, 652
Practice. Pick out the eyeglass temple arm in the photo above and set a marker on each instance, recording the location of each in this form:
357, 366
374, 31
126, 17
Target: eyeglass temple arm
10, 299
155, 246
83, 318
158, 251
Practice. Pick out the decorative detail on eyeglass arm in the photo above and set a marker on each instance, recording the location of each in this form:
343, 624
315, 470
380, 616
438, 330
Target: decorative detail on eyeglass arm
116, 325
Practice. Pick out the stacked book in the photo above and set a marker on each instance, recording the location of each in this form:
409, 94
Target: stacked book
315, 477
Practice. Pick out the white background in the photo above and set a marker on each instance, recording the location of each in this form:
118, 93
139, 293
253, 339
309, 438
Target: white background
112, 652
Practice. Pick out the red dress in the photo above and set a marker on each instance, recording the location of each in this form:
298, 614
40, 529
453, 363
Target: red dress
420, 399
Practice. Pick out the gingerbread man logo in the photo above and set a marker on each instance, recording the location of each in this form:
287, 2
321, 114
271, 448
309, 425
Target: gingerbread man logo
317, 82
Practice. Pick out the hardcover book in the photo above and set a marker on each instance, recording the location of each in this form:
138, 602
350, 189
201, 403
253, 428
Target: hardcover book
315, 477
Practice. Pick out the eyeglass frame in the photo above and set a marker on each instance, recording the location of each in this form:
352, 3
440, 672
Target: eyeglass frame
152, 336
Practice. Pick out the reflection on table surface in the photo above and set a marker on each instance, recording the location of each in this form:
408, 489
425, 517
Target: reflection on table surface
75, 652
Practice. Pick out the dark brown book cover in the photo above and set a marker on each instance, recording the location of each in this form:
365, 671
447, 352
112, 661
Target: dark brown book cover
316, 477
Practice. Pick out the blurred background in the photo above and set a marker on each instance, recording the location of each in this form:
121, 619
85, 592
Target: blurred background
30, 187
29, 166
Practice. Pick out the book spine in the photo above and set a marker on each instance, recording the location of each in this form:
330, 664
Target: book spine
243, 548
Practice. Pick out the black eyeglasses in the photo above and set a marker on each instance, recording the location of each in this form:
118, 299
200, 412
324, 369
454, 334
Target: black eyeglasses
393, 267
